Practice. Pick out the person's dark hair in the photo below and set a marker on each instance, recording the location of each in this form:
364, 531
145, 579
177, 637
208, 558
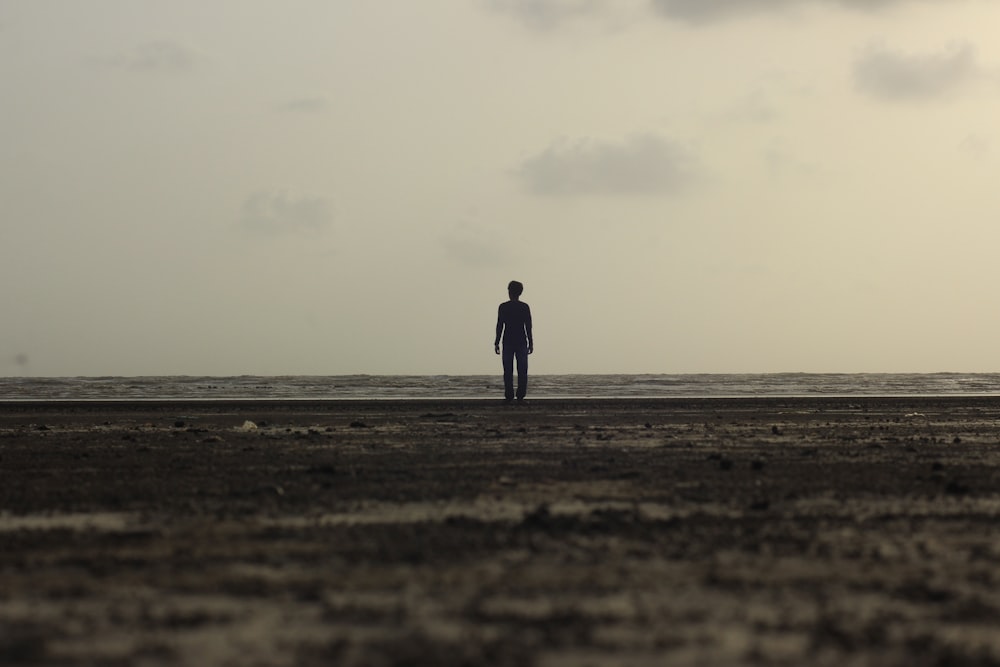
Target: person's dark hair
515, 288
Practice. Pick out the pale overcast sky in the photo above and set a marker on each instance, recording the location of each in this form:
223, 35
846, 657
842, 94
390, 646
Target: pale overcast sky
322, 187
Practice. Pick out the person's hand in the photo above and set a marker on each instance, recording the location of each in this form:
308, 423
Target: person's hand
496, 347
531, 348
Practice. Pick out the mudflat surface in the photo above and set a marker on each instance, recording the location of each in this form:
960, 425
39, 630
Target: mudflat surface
860, 531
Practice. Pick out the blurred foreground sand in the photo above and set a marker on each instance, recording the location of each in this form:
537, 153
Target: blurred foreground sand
562, 532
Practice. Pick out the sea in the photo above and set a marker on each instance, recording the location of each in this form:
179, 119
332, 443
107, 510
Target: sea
307, 387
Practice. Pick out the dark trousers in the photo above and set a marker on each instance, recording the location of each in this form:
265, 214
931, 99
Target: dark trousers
510, 353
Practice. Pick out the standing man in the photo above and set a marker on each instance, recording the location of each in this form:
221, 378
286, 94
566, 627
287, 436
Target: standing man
514, 325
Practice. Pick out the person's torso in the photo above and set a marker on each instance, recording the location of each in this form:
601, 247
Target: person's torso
514, 315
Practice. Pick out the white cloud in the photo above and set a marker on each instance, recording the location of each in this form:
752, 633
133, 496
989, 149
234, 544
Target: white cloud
156, 56
475, 246
781, 162
643, 165
755, 107
900, 76
708, 11
278, 214
875, 5
545, 14
975, 146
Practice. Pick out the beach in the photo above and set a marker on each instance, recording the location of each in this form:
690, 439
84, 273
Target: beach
682, 531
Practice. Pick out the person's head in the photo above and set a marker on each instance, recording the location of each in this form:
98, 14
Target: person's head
514, 289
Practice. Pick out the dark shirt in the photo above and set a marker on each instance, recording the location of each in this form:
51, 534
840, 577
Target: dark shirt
514, 322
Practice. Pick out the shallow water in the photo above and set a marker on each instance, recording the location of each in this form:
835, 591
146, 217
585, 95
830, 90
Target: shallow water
488, 386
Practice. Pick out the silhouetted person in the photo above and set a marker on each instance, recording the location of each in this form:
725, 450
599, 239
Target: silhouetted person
514, 326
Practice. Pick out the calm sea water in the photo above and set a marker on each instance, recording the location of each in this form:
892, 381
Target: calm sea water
489, 386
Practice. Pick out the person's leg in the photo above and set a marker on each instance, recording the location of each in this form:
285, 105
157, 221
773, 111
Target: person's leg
522, 372
507, 356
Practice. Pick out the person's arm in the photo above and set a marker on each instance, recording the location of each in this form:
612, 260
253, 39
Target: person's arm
496, 341
527, 330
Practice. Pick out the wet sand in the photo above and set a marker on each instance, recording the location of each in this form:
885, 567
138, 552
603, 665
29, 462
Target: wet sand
860, 531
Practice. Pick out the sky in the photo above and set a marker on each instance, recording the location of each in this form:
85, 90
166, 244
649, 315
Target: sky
321, 187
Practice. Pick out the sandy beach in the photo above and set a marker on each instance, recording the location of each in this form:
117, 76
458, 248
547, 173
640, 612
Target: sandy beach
834, 531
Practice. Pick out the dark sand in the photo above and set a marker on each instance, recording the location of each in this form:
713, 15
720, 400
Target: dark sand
563, 532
